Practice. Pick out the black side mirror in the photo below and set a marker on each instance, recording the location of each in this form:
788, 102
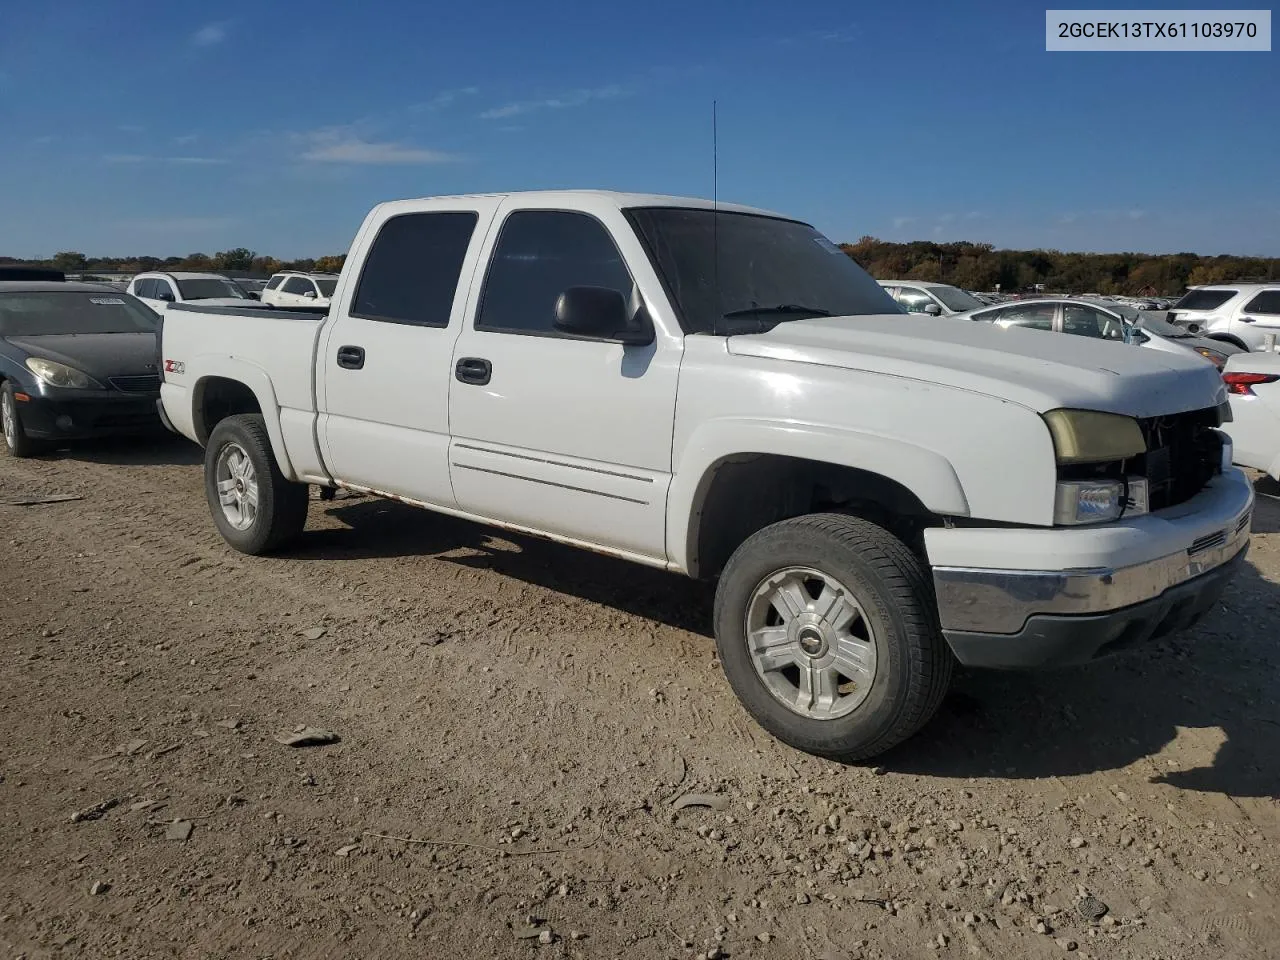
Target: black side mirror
600, 313
166, 296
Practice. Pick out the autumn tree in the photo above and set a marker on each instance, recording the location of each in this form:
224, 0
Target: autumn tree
330, 264
70, 261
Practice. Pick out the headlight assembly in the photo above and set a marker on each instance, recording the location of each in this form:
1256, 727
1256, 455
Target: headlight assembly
1088, 436
60, 375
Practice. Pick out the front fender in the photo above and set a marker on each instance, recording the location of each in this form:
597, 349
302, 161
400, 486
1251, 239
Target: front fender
926, 473
207, 367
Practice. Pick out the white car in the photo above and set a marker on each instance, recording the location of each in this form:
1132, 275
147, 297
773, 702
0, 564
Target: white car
1253, 387
1239, 313
295, 289
1102, 320
877, 495
159, 289
935, 299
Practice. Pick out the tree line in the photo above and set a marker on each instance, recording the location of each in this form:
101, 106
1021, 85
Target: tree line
978, 266
238, 260
973, 266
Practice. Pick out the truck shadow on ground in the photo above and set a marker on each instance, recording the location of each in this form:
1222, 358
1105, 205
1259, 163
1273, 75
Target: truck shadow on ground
377, 528
1204, 699
1196, 711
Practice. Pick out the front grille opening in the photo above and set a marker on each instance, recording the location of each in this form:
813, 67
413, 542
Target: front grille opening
145, 383
1207, 542
1184, 452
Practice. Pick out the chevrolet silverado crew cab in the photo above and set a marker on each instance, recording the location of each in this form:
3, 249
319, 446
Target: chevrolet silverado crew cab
722, 393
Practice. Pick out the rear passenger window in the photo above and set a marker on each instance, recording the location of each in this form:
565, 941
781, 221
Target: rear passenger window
411, 272
539, 255
1268, 301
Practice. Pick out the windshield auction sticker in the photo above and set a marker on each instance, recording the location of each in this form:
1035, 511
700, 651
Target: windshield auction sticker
1154, 31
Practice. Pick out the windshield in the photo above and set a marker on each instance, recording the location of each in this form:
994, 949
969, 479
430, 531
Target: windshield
73, 311
326, 285
956, 299
208, 288
783, 269
1204, 299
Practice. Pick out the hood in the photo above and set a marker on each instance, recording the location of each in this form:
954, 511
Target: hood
100, 355
1034, 368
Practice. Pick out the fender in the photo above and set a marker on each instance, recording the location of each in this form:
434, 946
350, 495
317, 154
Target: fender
927, 474
257, 380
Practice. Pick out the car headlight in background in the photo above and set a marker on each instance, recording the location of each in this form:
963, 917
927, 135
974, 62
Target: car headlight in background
60, 375
1219, 360
1088, 436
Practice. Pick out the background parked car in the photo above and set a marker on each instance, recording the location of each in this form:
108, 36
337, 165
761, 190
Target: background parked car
936, 299
1253, 388
1104, 320
294, 289
77, 360
1240, 313
158, 290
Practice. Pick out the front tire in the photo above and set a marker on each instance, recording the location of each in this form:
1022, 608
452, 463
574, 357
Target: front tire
254, 507
15, 437
828, 633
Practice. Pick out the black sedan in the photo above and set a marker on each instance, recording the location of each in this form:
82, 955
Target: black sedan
77, 360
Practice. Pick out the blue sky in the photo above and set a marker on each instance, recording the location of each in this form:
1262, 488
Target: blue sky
149, 128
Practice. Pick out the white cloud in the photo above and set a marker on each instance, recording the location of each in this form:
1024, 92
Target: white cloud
1069, 218
185, 139
574, 98
445, 98
211, 34
129, 128
144, 158
900, 222
348, 149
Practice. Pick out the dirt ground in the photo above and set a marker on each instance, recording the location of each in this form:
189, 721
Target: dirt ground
526, 714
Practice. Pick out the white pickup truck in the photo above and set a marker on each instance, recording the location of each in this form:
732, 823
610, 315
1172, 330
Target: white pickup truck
722, 393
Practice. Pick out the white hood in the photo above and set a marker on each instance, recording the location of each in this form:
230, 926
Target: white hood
1035, 368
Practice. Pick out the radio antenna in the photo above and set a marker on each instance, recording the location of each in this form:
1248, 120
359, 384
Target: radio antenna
715, 220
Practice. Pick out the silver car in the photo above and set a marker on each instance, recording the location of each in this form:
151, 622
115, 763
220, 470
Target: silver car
1103, 320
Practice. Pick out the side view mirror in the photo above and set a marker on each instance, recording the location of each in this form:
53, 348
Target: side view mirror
166, 296
599, 313
254, 295
310, 294
932, 309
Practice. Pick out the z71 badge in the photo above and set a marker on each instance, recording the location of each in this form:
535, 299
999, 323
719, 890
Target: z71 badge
175, 366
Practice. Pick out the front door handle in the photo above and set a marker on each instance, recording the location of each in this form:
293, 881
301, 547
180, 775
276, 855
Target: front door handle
473, 370
351, 358
1248, 319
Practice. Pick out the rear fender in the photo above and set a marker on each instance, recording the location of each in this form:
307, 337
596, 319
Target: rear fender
204, 369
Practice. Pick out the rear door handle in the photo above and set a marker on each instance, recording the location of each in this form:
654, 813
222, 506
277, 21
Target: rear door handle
473, 370
351, 358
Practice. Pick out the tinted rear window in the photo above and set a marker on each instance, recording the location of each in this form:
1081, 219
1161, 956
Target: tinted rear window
411, 272
38, 314
1204, 299
327, 286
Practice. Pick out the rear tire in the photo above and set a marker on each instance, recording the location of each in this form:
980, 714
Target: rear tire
827, 629
15, 437
254, 507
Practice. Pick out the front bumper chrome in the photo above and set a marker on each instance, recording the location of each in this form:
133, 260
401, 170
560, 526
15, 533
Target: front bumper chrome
988, 601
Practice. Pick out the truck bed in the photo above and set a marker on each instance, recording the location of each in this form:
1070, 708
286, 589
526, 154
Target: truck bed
270, 350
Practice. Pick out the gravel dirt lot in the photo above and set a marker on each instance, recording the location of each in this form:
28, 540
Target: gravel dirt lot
527, 714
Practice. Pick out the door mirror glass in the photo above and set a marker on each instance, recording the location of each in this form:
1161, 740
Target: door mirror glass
310, 294
598, 312
932, 309
165, 294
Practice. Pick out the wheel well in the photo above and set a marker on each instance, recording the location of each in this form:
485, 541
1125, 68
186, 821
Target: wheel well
218, 398
746, 493
1227, 338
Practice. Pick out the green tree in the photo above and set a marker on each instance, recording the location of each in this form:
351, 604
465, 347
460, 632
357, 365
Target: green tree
331, 263
196, 261
70, 261
237, 258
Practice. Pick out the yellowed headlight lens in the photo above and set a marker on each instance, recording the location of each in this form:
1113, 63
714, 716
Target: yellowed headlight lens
1088, 436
